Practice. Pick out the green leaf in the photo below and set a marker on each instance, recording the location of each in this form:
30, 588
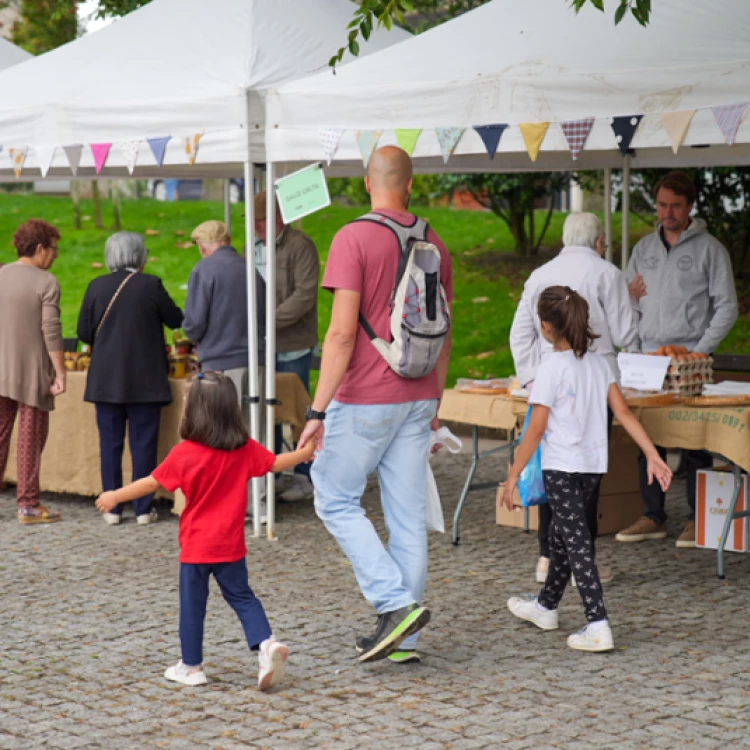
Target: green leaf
353, 34
598, 4
353, 24
407, 5
332, 62
621, 11
639, 17
366, 30
354, 47
387, 21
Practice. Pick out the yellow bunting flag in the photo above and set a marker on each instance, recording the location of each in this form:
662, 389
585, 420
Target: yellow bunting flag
533, 134
191, 147
18, 157
407, 138
676, 124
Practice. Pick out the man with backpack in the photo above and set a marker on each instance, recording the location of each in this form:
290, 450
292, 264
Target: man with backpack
383, 371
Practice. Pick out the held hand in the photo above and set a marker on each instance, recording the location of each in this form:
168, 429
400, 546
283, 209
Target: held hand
435, 426
106, 502
637, 287
313, 431
658, 469
58, 386
308, 451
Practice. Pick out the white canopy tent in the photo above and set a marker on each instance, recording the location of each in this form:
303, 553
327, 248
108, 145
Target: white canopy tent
11, 55
513, 63
172, 70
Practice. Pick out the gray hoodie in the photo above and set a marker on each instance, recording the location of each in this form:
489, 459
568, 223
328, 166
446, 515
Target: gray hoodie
691, 299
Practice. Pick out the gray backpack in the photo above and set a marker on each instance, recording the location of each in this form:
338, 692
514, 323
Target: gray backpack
420, 320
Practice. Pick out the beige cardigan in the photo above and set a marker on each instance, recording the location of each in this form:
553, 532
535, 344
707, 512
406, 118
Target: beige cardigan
30, 328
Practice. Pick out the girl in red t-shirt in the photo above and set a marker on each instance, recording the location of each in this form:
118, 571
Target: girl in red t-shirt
212, 466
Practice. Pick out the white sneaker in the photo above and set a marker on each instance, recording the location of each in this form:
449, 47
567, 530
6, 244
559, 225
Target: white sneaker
299, 489
542, 568
273, 661
186, 675
525, 608
588, 639
146, 518
112, 518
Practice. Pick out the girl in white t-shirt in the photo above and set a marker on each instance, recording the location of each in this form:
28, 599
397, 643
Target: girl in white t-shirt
569, 418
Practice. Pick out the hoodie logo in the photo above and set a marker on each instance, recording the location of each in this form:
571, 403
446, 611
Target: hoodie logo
652, 262
685, 263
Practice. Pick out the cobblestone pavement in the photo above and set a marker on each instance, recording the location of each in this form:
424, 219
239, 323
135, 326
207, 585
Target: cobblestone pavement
89, 622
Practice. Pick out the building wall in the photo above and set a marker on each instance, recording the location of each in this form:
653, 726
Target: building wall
8, 17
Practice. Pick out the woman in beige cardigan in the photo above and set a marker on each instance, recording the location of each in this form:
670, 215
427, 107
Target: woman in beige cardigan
32, 370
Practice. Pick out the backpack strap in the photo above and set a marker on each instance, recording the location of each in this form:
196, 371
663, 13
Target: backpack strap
417, 231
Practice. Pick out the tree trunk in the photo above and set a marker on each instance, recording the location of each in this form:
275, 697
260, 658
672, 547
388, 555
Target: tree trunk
75, 195
97, 204
517, 226
116, 206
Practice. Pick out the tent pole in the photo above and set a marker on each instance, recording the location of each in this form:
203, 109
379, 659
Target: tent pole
608, 212
227, 208
625, 212
270, 339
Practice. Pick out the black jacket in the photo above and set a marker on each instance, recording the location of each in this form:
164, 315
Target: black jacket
129, 361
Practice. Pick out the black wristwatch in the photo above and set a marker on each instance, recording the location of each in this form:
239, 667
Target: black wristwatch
310, 413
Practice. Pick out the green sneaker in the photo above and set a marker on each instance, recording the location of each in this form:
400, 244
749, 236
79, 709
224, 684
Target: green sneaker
393, 628
405, 656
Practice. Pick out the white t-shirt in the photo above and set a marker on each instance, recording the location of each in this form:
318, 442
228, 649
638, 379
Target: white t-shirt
575, 390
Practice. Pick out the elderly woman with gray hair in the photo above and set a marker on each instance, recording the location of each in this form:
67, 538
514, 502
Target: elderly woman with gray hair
123, 317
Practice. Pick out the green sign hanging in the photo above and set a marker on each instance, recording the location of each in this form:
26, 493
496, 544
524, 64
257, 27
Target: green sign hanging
303, 192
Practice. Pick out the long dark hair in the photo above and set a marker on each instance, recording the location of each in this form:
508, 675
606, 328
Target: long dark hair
568, 314
212, 413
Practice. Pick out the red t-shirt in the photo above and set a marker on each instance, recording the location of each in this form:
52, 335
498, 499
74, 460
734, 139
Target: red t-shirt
212, 525
364, 258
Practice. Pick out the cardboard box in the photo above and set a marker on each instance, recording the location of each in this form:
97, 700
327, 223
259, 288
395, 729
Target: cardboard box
714, 494
620, 502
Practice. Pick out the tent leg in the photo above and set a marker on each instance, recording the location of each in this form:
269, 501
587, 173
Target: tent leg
252, 339
270, 340
227, 207
625, 212
608, 212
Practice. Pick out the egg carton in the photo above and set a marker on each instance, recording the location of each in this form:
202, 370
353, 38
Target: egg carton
680, 365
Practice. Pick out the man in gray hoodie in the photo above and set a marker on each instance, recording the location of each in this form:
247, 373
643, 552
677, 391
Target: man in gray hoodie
681, 278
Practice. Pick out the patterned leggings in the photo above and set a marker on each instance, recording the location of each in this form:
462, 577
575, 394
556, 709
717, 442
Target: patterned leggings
33, 426
571, 548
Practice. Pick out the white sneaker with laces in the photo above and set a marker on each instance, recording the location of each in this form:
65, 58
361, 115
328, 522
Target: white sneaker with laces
542, 568
592, 639
525, 608
112, 518
146, 518
186, 675
273, 661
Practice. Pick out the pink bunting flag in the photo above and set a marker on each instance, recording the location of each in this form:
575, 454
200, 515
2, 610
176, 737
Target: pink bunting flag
100, 152
728, 118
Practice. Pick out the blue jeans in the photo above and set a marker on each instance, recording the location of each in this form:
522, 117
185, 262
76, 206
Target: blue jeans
300, 366
143, 433
232, 580
392, 439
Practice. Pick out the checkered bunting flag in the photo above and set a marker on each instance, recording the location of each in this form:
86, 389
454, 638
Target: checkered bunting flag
576, 133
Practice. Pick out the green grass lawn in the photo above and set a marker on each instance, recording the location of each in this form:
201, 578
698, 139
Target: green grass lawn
488, 276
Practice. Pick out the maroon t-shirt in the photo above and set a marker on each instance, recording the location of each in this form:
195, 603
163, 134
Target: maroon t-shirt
364, 258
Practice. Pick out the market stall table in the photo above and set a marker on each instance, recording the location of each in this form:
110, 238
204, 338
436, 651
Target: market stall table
70, 463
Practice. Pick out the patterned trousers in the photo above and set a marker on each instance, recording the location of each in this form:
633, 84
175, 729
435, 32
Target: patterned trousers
571, 547
33, 427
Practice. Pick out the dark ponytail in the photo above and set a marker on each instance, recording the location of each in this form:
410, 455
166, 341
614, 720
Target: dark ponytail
568, 314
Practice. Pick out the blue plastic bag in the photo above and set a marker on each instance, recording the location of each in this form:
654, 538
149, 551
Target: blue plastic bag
531, 481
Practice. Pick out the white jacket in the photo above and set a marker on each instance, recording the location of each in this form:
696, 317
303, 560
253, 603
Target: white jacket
600, 283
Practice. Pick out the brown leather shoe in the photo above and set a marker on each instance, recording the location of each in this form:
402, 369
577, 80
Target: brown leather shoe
644, 528
687, 538
38, 514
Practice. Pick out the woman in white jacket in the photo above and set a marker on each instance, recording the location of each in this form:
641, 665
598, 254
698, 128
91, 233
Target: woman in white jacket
580, 266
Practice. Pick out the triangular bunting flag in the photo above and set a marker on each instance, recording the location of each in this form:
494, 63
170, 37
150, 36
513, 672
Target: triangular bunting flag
159, 148
533, 134
329, 139
676, 124
18, 157
728, 118
576, 133
407, 138
491, 135
73, 155
624, 129
44, 155
130, 152
191, 147
367, 140
448, 138
100, 152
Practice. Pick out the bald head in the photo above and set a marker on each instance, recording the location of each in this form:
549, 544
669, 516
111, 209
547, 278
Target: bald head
389, 175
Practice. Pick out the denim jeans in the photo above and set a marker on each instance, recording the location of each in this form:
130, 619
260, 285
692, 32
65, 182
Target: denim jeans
301, 367
392, 439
